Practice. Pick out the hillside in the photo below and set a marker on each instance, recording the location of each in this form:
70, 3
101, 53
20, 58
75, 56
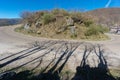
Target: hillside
106, 16
61, 24
6, 22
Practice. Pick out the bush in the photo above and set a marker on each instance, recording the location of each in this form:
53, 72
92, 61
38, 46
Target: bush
60, 11
18, 29
95, 30
103, 29
88, 23
47, 18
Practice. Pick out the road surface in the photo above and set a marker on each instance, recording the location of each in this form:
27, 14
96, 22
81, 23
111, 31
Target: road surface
13, 42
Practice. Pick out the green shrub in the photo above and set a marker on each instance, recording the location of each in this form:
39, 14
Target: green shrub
47, 18
103, 29
19, 28
88, 23
95, 30
30, 31
73, 36
60, 11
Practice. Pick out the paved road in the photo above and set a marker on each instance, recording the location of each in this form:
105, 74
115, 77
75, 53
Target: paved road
12, 42
8, 38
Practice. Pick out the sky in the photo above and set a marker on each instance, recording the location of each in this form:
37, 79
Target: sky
13, 8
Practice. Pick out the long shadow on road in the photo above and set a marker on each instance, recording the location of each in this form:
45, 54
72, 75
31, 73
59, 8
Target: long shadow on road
25, 53
63, 51
101, 72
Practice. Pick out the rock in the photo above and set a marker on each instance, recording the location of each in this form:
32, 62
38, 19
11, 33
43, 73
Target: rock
70, 22
62, 29
26, 26
38, 24
118, 32
38, 32
72, 29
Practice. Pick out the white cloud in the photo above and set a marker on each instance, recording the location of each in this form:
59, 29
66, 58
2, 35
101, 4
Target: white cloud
108, 3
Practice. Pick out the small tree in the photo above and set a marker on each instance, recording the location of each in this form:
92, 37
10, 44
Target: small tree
27, 16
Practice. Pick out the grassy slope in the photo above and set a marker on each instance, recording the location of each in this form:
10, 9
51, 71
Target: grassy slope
54, 21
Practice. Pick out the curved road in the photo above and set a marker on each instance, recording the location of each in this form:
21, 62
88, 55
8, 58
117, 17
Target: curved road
12, 42
8, 37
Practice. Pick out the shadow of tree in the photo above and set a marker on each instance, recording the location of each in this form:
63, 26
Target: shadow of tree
54, 72
65, 50
101, 72
25, 53
55, 66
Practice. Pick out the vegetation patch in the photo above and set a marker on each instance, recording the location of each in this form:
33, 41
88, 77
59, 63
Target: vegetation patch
61, 24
